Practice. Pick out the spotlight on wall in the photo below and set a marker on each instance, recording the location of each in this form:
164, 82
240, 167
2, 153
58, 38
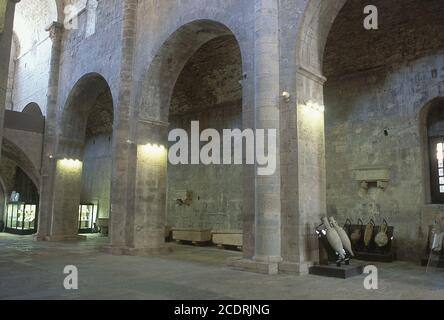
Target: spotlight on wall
153, 149
315, 106
286, 95
70, 163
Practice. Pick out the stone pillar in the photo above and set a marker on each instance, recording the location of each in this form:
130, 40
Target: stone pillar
267, 188
124, 148
306, 199
48, 159
147, 234
66, 187
6, 28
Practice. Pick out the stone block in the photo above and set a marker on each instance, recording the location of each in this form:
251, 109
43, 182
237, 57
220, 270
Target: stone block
228, 238
253, 266
193, 235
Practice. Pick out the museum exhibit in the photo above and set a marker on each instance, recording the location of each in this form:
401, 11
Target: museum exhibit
214, 150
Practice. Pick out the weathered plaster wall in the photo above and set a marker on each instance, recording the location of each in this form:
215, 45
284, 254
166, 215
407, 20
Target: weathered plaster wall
99, 53
96, 177
208, 91
216, 189
31, 76
31, 71
380, 81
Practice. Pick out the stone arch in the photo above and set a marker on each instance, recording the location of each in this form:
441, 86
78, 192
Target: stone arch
90, 95
163, 72
153, 101
73, 121
13, 152
366, 95
33, 109
424, 136
317, 21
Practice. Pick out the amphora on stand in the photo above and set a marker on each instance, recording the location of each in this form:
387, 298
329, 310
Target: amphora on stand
346, 243
334, 239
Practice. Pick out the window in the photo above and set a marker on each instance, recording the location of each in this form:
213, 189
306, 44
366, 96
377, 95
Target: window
91, 12
437, 169
434, 116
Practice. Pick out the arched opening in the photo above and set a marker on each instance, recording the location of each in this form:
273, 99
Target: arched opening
377, 83
207, 198
82, 184
31, 52
195, 76
19, 197
33, 109
432, 130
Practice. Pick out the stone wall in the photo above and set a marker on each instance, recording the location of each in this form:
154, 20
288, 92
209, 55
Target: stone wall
208, 90
31, 69
216, 190
378, 83
96, 177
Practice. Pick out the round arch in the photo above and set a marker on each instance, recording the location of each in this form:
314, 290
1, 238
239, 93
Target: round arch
72, 122
154, 100
13, 152
158, 85
315, 26
33, 109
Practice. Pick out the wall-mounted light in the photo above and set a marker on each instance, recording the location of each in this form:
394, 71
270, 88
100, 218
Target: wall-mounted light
153, 149
287, 96
71, 163
316, 106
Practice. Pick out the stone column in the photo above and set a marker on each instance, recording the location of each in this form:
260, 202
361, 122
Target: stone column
48, 158
306, 187
267, 188
138, 196
124, 148
147, 235
6, 28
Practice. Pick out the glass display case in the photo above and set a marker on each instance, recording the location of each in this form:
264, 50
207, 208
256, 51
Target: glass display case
88, 218
21, 218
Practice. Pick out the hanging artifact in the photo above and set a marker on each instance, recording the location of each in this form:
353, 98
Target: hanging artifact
334, 239
356, 235
381, 238
346, 243
368, 234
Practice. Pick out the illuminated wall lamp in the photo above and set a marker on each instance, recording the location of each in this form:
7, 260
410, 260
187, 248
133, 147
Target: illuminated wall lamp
153, 149
316, 106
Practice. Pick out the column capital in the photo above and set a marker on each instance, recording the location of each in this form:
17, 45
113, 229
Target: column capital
55, 29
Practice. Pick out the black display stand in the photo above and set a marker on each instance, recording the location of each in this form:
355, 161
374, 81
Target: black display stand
330, 265
333, 271
373, 252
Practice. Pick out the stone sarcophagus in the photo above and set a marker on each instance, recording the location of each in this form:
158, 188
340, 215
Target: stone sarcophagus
193, 235
228, 238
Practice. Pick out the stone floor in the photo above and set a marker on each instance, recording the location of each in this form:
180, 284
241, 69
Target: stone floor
34, 270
